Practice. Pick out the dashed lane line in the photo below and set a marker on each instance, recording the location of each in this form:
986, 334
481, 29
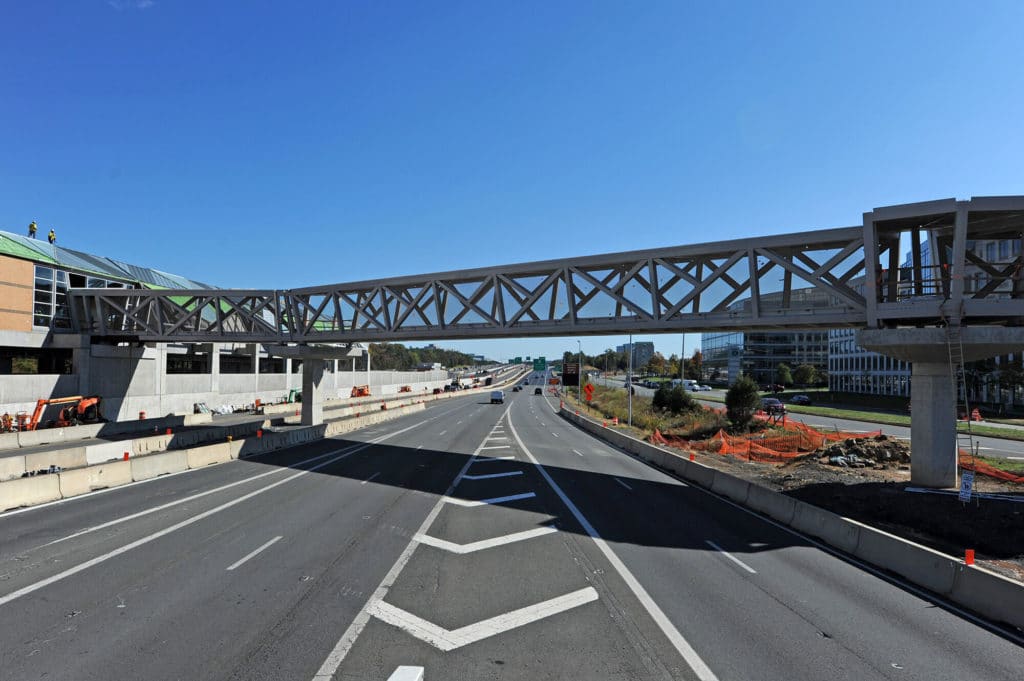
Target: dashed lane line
370, 478
255, 553
623, 484
484, 502
731, 557
489, 476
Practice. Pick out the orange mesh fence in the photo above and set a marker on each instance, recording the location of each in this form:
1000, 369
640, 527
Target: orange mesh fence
982, 468
797, 440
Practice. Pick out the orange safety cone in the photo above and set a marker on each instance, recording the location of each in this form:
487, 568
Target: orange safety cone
969, 556
168, 431
691, 456
126, 456
259, 434
604, 424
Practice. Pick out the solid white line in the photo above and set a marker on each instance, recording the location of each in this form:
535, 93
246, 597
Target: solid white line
475, 546
156, 535
348, 639
496, 447
485, 459
496, 500
370, 478
576, 452
448, 640
265, 546
731, 557
623, 484
1015, 458
687, 652
488, 476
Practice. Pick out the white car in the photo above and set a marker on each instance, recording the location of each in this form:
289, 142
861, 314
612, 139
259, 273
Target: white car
704, 388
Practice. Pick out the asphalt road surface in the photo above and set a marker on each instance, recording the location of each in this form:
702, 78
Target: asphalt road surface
476, 541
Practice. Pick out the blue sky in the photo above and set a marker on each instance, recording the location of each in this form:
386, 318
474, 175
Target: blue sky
274, 145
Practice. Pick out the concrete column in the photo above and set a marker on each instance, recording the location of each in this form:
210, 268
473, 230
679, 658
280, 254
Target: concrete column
287, 374
215, 367
933, 462
312, 393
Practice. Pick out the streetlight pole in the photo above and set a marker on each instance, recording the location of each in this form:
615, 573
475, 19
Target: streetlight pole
629, 381
682, 362
579, 372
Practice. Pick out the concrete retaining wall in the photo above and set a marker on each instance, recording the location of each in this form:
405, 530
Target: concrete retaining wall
108, 451
972, 587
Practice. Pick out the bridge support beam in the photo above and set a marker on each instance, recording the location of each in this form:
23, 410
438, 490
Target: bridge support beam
933, 399
312, 393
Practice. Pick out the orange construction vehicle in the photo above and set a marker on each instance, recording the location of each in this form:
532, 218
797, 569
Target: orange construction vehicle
405, 389
360, 391
79, 409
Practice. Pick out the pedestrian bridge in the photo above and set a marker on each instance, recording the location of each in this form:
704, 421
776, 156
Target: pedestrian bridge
848, 277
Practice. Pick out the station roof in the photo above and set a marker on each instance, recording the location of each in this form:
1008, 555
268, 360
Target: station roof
43, 252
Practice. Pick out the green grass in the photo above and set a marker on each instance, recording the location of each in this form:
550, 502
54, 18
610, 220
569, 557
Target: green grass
1008, 465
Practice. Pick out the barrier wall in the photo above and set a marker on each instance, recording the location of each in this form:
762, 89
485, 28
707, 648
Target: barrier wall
973, 587
91, 478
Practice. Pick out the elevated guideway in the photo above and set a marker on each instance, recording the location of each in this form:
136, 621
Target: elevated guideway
847, 277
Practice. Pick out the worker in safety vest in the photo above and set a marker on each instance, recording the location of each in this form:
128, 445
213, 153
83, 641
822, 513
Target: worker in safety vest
6, 423
32, 229
52, 237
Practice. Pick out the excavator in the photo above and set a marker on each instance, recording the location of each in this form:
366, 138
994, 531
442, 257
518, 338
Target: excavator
79, 409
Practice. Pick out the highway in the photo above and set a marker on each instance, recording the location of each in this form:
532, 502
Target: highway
476, 541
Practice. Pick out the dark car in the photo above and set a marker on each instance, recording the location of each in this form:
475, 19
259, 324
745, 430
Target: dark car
770, 405
538, 391
799, 399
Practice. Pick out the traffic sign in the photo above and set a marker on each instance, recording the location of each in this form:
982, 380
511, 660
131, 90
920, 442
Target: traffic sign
540, 364
571, 373
589, 391
517, 360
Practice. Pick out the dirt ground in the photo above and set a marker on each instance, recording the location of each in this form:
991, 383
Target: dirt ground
871, 488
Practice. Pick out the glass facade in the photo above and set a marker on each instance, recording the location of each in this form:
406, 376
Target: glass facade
758, 354
50, 294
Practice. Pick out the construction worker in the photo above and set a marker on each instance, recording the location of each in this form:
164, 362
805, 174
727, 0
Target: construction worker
32, 229
6, 423
52, 236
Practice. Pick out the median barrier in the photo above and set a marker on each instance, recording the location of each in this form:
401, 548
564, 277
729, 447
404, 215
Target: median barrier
986, 592
12, 467
8, 441
91, 478
154, 465
919, 564
37, 489
206, 455
773, 504
148, 445
46, 436
108, 451
691, 471
62, 458
730, 486
826, 525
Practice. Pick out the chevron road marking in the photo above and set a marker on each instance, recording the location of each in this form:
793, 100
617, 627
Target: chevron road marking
485, 459
475, 546
507, 474
483, 502
450, 639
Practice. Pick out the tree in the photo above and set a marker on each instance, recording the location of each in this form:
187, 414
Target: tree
741, 402
679, 400
805, 374
784, 375
661, 398
656, 364
696, 365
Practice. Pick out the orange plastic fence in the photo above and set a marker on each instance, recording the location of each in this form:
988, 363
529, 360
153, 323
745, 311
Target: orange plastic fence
982, 468
797, 440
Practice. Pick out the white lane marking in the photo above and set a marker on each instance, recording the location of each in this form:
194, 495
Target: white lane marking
187, 499
485, 459
1015, 458
687, 652
483, 502
731, 557
348, 639
167, 530
406, 673
458, 423
554, 433
488, 476
498, 438
475, 546
448, 640
370, 478
543, 424
576, 453
496, 447
442, 433
419, 447
254, 553
623, 484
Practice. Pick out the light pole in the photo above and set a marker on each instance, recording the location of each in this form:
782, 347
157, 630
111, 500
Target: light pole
629, 381
682, 361
579, 372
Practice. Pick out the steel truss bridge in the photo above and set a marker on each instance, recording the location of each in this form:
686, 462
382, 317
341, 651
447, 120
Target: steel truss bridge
846, 277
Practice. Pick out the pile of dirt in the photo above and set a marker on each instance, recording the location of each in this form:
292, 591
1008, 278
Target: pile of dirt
880, 452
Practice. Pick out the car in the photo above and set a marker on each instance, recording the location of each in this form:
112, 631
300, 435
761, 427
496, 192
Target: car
799, 399
704, 388
770, 405
497, 397
538, 391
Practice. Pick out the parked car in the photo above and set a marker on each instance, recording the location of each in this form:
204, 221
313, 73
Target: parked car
497, 397
770, 405
704, 388
538, 391
437, 391
799, 399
